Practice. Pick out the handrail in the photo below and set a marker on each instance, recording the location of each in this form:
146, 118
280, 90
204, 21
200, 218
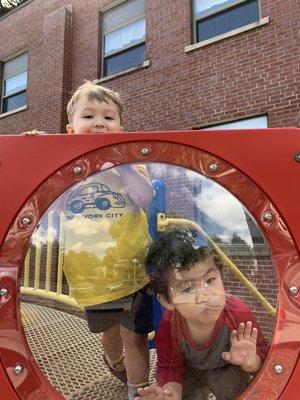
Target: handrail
163, 222
36, 290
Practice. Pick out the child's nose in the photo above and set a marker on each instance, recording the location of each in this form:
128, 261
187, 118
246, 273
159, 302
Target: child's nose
201, 295
99, 122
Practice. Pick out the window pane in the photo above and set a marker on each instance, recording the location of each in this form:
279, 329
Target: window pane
122, 15
125, 60
249, 123
124, 37
15, 65
15, 83
13, 102
201, 6
228, 20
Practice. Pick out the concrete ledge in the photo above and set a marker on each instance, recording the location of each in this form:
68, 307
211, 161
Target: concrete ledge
106, 78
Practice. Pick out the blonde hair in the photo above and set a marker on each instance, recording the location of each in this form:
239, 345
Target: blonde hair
94, 92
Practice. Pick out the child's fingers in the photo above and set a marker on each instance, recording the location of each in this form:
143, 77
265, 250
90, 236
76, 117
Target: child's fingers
240, 331
248, 330
233, 337
106, 165
226, 356
33, 133
254, 334
150, 392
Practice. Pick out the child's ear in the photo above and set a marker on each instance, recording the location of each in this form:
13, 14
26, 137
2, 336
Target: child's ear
69, 129
165, 303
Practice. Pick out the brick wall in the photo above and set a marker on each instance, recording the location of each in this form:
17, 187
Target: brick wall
255, 72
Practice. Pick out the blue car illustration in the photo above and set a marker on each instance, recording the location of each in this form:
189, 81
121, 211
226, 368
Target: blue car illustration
94, 195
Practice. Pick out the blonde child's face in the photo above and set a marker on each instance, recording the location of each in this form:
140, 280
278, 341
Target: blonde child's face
92, 116
198, 294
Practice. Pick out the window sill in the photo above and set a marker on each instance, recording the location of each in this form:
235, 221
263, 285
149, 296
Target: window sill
261, 22
106, 78
13, 111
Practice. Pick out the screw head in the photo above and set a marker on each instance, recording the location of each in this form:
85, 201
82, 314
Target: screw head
145, 151
297, 156
278, 369
26, 221
18, 369
4, 292
267, 216
213, 167
293, 290
77, 170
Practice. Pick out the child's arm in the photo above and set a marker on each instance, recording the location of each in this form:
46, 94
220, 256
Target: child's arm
243, 348
136, 185
170, 391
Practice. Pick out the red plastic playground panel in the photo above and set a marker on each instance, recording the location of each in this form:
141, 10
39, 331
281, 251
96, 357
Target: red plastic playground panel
261, 168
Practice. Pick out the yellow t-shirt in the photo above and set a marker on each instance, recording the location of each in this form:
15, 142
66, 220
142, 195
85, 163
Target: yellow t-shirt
106, 240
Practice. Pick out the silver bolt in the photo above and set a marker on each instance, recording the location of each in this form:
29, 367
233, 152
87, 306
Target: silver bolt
18, 369
26, 222
4, 292
267, 216
293, 290
278, 369
145, 151
297, 156
213, 167
77, 170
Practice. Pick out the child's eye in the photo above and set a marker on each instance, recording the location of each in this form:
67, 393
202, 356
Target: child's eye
210, 281
108, 117
186, 290
88, 116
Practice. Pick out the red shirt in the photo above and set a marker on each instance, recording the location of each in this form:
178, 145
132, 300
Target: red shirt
176, 349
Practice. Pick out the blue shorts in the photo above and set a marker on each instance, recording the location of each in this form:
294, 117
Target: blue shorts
134, 312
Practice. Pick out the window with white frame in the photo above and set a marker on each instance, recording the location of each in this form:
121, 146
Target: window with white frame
261, 121
14, 84
217, 17
123, 37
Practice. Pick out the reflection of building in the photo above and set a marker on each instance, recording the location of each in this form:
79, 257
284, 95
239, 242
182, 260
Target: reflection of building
175, 68
194, 197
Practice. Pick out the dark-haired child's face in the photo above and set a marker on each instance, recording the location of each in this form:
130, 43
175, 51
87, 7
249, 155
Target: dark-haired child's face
198, 294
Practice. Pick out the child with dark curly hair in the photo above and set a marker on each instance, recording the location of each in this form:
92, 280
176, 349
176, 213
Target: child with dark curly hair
207, 341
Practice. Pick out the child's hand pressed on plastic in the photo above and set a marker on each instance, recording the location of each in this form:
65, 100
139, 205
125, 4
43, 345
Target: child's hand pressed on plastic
156, 393
243, 348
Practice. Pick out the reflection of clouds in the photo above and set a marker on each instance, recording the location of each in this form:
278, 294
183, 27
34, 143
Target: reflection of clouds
51, 233
84, 234
225, 210
163, 171
87, 227
98, 248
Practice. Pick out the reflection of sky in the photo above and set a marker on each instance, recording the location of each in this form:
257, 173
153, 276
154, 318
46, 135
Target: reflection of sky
87, 235
221, 207
205, 5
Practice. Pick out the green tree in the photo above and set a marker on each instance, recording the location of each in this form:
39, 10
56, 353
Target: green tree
8, 5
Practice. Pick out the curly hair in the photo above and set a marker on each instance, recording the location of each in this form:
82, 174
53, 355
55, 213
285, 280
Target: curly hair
175, 249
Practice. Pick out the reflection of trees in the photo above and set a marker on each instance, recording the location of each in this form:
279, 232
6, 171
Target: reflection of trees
121, 267
236, 239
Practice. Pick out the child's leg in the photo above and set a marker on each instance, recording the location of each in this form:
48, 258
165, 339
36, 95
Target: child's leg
112, 343
136, 359
113, 352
